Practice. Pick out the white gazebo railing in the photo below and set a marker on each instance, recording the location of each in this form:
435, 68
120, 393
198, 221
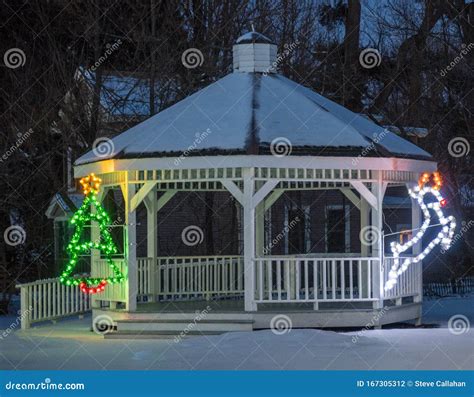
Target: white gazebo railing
50, 299
306, 279
113, 292
278, 279
185, 277
409, 283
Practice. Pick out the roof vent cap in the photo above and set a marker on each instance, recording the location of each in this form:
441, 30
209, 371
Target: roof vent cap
254, 52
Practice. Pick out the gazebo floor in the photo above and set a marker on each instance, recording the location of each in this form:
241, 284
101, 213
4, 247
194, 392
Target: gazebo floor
216, 316
195, 317
237, 306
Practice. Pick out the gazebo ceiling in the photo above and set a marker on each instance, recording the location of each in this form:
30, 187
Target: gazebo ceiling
244, 112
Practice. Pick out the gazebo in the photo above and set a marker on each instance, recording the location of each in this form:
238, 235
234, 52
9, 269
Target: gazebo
255, 135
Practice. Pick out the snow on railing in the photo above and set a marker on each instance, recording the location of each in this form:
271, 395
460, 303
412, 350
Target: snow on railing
50, 299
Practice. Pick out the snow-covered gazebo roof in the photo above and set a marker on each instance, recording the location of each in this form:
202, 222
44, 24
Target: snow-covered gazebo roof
245, 111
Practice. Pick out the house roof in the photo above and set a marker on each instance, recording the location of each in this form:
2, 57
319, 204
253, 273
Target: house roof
63, 205
243, 113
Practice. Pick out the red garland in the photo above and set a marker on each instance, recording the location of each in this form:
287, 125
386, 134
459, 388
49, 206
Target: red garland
93, 290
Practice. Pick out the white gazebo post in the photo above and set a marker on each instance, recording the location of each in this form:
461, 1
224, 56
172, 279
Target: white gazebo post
95, 254
130, 246
416, 221
364, 223
249, 239
151, 205
378, 190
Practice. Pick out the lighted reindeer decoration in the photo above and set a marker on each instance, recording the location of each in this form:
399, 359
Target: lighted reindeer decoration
443, 238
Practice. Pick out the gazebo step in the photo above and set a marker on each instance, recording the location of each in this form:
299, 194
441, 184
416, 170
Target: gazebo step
156, 334
179, 325
185, 321
183, 314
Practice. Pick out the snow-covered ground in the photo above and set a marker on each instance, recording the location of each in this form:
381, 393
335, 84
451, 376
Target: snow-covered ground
70, 345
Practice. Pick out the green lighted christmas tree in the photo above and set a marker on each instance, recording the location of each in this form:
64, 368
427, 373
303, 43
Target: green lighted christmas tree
105, 244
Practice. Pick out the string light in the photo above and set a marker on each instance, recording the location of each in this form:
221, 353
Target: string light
106, 245
443, 238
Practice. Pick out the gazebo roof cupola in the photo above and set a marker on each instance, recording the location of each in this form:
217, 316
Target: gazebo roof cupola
254, 52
